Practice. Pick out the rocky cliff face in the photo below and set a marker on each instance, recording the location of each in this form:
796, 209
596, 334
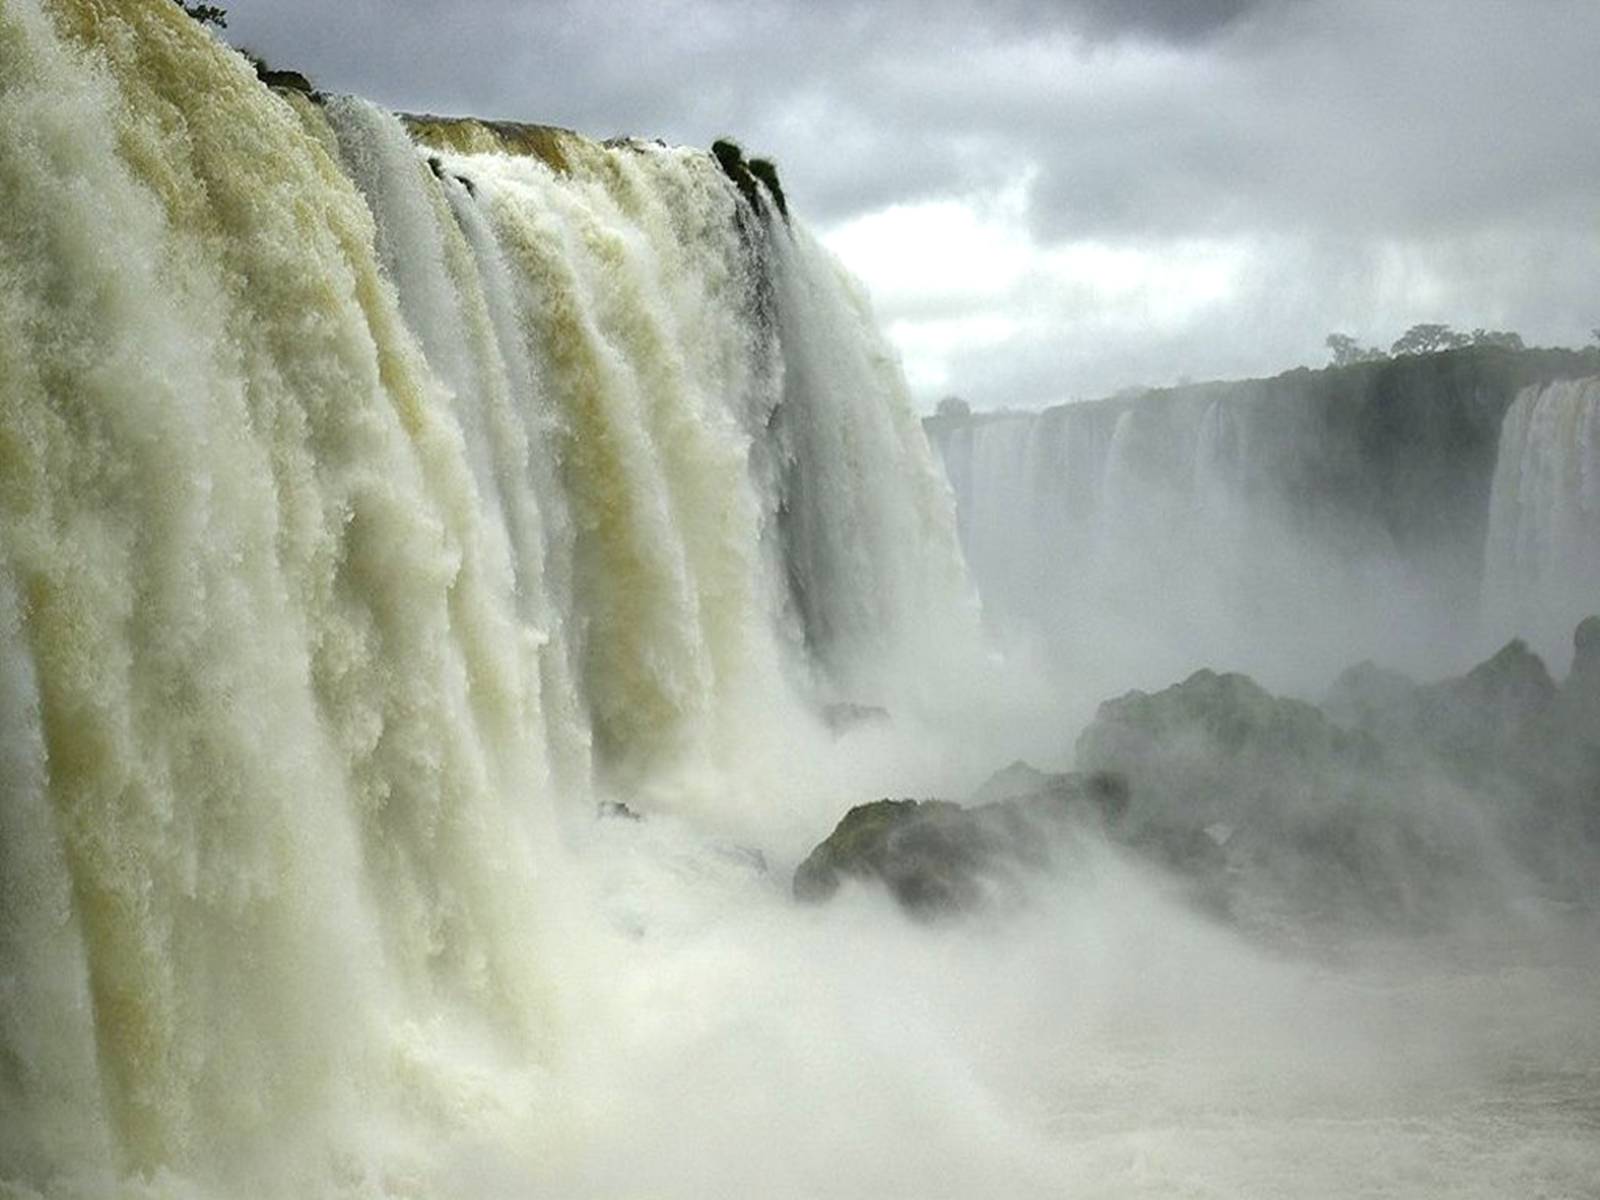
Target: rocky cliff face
1391, 802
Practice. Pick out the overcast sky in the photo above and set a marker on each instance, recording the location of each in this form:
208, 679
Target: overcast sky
1052, 201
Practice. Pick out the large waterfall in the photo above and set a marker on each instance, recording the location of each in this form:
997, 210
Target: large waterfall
1289, 526
1542, 561
365, 507
452, 573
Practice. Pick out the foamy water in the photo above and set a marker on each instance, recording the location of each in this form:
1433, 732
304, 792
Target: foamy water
365, 521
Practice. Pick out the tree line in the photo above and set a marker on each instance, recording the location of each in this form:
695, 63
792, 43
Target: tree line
1424, 339
1419, 339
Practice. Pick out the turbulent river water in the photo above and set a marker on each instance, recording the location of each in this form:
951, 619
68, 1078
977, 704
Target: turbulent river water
381, 498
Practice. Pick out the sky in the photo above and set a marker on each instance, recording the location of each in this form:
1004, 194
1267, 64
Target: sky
1058, 200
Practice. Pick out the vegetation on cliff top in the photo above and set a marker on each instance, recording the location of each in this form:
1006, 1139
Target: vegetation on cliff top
750, 176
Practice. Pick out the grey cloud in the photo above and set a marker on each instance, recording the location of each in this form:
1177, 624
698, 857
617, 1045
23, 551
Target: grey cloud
1396, 127
1294, 293
1176, 20
1301, 115
1423, 130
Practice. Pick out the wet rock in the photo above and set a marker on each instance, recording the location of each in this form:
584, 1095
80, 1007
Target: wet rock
1213, 747
1474, 721
1581, 691
1046, 794
766, 171
289, 81
937, 857
1250, 794
1013, 782
931, 854
1572, 751
1374, 699
730, 157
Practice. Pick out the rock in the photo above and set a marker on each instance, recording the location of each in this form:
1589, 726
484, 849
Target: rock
1214, 747
766, 171
937, 858
1492, 703
1043, 794
1476, 725
1580, 694
730, 157
1572, 745
1374, 699
617, 810
1253, 795
928, 852
436, 165
1012, 782
1586, 646
1233, 788
1197, 853
289, 81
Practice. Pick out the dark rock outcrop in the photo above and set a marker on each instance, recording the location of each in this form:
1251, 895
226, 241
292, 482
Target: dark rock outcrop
289, 81
1269, 796
1494, 722
1581, 691
1393, 801
1214, 746
751, 176
731, 159
1372, 698
939, 858
1490, 711
766, 171
1042, 792
1015, 782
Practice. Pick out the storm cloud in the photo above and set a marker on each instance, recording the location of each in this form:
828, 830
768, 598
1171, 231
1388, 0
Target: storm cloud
1055, 200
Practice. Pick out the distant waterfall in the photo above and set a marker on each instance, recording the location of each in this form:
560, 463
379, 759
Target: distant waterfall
365, 507
1542, 559
1288, 526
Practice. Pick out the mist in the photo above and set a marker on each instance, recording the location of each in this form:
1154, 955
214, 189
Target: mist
502, 695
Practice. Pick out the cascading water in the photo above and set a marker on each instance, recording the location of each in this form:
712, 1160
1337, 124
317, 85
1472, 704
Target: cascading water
1304, 522
866, 525
998, 519
1542, 559
360, 516
1115, 533
385, 502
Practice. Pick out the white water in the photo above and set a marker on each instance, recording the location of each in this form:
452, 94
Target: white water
1132, 543
360, 530
1542, 560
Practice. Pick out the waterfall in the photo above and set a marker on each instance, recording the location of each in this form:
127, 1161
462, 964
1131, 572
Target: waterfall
1542, 556
367, 509
995, 474
1289, 527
